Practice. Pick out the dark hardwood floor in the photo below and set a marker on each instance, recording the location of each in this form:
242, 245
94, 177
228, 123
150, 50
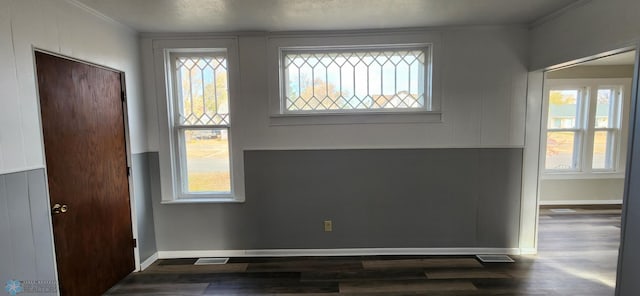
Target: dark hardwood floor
577, 256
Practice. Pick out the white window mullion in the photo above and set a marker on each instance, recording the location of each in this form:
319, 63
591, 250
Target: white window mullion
588, 123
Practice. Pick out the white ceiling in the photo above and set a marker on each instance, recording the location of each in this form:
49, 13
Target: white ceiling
294, 15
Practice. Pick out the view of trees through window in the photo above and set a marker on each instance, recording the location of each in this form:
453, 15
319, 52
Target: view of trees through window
562, 129
203, 117
354, 80
567, 130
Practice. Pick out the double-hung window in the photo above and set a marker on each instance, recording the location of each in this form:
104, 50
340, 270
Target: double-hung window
606, 127
201, 122
198, 160
584, 122
565, 129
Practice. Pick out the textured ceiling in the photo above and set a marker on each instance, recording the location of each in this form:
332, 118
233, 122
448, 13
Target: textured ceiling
293, 15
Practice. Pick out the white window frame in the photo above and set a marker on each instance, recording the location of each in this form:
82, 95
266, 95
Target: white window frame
585, 128
278, 44
579, 129
172, 183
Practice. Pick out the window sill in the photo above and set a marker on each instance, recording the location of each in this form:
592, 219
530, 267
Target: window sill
203, 200
578, 175
360, 118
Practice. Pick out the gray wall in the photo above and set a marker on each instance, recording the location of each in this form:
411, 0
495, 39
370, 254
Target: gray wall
26, 243
395, 198
143, 206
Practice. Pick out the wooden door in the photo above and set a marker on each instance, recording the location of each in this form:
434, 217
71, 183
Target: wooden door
84, 143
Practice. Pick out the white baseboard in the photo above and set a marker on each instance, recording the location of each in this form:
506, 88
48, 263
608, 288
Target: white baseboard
149, 261
337, 252
580, 202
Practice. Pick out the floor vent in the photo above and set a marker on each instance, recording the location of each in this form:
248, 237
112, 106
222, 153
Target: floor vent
562, 211
494, 258
209, 261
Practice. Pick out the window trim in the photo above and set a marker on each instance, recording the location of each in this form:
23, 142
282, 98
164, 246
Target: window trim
177, 128
277, 44
168, 132
587, 128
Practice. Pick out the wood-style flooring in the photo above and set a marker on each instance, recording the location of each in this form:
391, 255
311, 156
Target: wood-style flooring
577, 256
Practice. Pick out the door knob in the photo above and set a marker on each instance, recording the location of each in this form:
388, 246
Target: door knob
59, 209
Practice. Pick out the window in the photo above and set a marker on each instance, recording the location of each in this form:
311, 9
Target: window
199, 159
607, 120
354, 78
365, 79
583, 130
201, 122
564, 132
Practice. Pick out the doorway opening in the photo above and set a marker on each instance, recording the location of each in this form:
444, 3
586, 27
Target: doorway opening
583, 157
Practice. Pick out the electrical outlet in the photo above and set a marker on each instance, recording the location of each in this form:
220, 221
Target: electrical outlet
328, 226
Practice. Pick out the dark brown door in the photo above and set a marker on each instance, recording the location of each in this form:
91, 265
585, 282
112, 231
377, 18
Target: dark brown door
84, 143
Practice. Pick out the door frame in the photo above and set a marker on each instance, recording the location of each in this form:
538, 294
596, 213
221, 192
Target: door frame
530, 199
128, 153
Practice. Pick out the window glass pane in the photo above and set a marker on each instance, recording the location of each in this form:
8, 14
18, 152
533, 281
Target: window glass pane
354, 80
202, 89
602, 154
604, 107
560, 151
563, 108
207, 160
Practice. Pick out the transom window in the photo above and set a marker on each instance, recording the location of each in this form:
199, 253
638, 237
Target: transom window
348, 80
201, 123
583, 128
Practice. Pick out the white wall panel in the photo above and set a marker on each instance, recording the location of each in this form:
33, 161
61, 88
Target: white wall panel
483, 84
27, 33
11, 139
61, 27
149, 86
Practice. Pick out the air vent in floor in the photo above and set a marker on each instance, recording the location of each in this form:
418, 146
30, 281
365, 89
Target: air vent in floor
494, 258
209, 261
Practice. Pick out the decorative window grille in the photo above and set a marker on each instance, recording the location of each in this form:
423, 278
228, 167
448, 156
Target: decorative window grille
201, 123
203, 97
345, 80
